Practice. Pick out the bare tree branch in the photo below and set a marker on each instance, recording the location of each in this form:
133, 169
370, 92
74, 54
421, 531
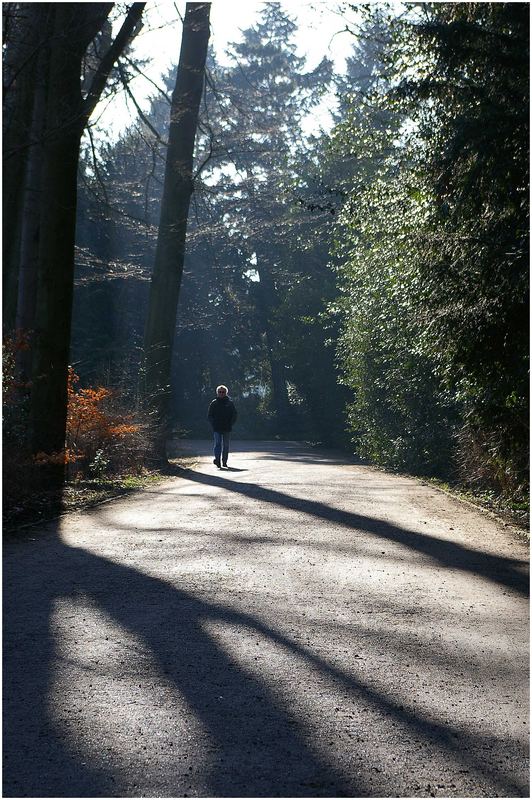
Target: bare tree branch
143, 74
102, 73
140, 112
96, 167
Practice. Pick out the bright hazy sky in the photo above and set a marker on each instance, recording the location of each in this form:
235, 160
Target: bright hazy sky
319, 34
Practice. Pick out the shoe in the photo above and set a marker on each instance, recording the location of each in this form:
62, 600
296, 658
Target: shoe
224, 463
217, 462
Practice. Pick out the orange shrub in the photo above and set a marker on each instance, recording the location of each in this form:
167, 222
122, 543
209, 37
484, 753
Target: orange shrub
98, 432
64, 456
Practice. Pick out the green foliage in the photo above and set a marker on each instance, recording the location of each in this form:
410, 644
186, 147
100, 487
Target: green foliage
399, 416
473, 273
99, 464
433, 244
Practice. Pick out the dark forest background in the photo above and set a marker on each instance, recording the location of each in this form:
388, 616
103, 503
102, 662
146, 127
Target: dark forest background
364, 287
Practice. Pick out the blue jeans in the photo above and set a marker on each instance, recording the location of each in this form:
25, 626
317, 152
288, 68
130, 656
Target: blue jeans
221, 445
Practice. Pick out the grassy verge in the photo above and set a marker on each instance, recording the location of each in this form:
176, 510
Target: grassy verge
508, 511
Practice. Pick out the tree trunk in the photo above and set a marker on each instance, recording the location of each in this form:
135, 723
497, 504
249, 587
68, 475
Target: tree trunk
25, 41
64, 126
29, 233
74, 27
170, 252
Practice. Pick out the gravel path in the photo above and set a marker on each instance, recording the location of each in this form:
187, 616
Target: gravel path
299, 625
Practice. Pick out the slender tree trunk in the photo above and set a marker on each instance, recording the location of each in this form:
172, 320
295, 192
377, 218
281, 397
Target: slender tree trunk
281, 403
170, 252
214, 359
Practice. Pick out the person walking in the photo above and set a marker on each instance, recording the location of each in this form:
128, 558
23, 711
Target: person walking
222, 416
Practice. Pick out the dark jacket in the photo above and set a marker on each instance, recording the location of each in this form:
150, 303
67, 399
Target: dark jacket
222, 414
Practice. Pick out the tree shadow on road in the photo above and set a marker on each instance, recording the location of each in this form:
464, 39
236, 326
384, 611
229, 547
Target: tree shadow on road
258, 748
504, 571
250, 730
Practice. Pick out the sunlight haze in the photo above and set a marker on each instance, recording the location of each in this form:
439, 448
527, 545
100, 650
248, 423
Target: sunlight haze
321, 32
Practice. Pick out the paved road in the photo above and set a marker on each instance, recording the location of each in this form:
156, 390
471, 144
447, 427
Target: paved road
299, 625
